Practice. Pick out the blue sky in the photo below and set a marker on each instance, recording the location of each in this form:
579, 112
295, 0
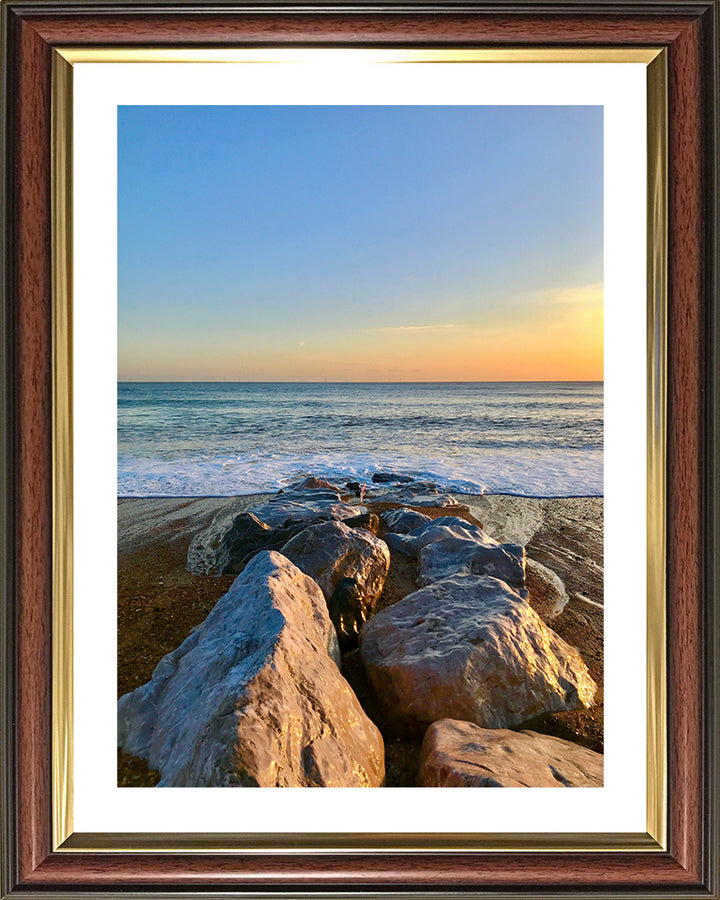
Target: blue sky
359, 243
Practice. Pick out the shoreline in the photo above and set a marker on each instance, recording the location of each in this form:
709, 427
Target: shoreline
272, 494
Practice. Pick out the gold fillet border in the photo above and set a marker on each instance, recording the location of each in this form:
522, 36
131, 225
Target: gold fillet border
64, 838
334, 55
62, 449
657, 300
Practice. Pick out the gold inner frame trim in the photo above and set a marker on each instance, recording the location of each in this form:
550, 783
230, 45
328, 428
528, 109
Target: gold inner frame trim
657, 255
62, 450
337, 55
64, 837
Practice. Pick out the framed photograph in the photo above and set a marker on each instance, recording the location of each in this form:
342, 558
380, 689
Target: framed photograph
360, 380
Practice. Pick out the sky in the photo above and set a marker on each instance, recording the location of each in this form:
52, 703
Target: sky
360, 243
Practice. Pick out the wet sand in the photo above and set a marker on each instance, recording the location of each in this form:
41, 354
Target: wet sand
160, 602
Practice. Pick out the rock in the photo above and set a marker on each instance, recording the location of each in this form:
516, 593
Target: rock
449, 546
546, 590
348, 612
330, 551
402, 521
470, 648
246, 537
353, 487
389, 478
227, 544
311, 483
414, 493
369, 521
202, 558
411, 498
439, 529
252, 696
283, 510
311, 500
455, 556
460, 754
461, 528
398, 542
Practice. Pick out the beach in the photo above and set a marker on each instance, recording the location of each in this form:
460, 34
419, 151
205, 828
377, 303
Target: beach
160, 602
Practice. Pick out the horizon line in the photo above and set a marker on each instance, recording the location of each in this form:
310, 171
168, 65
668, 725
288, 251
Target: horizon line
325, 381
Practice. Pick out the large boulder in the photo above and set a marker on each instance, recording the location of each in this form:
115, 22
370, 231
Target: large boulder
411, 496
226, 545
448, 526
431, 531
286, 510
449, 546
253, 696
460, 754
456, 556
470, 648
402, 521
330, 551
412, 493
226, 553
206, 554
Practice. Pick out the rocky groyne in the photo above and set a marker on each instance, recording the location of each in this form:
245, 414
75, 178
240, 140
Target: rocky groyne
359, 635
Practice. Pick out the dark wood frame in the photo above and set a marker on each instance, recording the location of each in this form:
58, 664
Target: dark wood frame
689, 31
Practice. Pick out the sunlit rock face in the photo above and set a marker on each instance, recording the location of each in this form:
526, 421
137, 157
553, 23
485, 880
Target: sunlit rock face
306, 502
418, 494
330, 551
227, 544
460, 754
350, 565
457, 556
283, 511
253, 697
449, 546
470, 648
426, 532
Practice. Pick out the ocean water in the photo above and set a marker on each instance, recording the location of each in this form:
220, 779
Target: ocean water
213, 439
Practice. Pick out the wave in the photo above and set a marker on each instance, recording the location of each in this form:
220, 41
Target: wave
557, 473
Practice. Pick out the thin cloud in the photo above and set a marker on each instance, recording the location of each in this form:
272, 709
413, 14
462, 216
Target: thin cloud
412, 328
574, 296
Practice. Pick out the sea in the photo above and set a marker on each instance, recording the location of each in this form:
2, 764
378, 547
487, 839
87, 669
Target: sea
535, 439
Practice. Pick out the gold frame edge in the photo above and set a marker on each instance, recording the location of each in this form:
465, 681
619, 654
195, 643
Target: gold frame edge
62, 451
74, 55
657, 255
62, 619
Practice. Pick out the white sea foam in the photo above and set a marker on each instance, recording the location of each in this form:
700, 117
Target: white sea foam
535, 439
557, 473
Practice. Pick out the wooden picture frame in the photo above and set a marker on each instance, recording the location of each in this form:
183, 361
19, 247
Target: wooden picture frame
685, 862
